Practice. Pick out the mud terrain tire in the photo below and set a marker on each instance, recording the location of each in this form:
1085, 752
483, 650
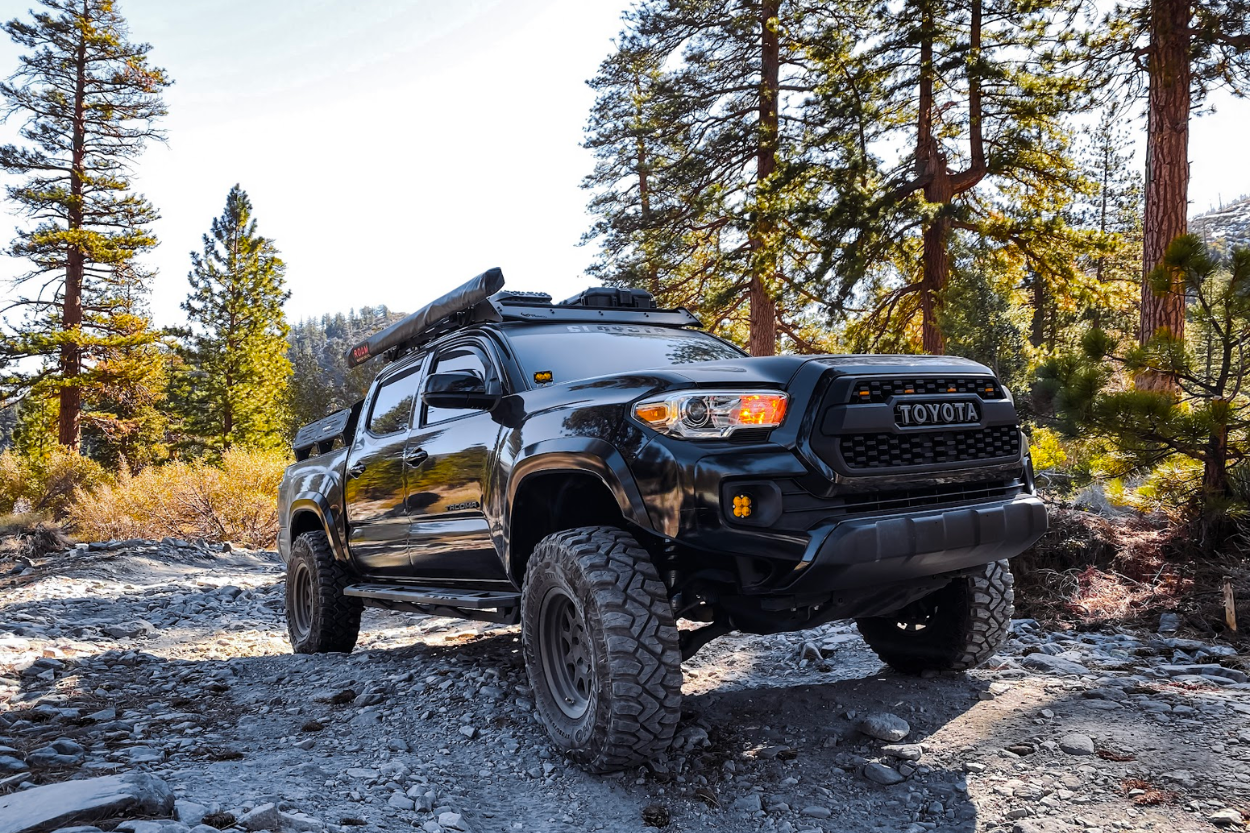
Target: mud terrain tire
954, 629
319, 618
601, 648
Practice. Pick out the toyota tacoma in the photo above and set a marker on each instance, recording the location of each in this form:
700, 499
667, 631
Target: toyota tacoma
627, 487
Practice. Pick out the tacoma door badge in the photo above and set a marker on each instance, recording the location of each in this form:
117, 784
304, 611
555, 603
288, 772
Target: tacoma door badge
936, 413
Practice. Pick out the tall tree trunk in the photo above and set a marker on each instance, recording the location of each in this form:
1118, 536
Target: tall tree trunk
931, 167
75, 262
1167, 170
1037, 286
763, 327
644, 200
1215, 464
941, 185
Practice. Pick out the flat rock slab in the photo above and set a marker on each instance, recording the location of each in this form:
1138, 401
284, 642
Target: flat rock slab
884, 726
882, 774
1077, 744
1053, 665
59, 805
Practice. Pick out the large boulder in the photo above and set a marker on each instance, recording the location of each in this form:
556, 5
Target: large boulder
71, 802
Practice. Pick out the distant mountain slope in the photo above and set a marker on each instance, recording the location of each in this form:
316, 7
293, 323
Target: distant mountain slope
1226, 227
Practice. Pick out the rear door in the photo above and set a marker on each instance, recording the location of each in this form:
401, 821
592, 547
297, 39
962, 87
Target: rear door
452, 455
375, 487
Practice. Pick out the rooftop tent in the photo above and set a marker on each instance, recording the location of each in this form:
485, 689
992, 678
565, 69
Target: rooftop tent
428, 318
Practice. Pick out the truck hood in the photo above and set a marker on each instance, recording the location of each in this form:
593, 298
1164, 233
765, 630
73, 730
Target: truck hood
779, 370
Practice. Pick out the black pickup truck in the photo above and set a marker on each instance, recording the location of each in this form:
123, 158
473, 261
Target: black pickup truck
600, 470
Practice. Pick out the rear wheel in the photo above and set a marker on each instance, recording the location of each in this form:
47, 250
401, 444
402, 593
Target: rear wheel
954, 629
601, 648
319, 618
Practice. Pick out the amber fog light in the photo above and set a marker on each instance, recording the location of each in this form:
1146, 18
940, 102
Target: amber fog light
751, 503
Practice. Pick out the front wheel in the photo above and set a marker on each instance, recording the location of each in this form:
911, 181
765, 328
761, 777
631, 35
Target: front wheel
319, 618
953, 629
601, 648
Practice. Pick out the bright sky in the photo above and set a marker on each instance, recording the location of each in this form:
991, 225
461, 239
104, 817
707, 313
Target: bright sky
395, 148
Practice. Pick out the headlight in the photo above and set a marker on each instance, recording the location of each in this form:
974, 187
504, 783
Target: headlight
713, 414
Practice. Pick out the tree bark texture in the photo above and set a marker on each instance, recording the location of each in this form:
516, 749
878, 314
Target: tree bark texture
941, 185
763, 324
1167, 169
68, 428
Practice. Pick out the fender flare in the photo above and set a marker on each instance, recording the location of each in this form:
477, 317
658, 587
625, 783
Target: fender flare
317, 504
583, 455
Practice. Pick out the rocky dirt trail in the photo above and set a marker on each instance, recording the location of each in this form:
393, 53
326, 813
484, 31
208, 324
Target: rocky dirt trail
161, 671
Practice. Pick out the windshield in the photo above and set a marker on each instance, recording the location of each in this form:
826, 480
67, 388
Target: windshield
556, 353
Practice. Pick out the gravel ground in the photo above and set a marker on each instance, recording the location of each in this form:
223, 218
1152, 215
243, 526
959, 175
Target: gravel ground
171, 659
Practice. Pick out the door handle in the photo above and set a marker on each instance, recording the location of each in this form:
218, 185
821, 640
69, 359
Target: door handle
416, 457
356, 470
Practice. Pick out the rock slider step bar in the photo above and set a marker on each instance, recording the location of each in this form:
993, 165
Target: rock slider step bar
466, 599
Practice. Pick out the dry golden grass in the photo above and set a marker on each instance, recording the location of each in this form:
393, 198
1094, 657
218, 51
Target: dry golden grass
46, 485
234, 501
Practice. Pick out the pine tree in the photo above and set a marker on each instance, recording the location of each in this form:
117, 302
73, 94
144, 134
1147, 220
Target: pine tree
90, 100
696, 133
233, 387
321, 382
1174, 52
1208, 419
1109, 299
124, 419
968, 94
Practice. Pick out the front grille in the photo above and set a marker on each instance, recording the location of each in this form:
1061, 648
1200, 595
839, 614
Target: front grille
881, 451
879, 390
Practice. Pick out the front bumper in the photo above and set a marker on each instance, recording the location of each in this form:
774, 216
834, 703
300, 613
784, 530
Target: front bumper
892, 549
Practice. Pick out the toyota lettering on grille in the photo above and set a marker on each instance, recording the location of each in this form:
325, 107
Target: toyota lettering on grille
936, 413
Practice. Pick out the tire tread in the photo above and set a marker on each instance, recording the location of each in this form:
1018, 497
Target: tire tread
640, 635
336, 621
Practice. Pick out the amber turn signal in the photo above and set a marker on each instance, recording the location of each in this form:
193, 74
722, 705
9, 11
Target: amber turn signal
762, 409
653, 412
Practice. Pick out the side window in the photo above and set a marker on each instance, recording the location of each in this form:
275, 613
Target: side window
464, 357
392, 405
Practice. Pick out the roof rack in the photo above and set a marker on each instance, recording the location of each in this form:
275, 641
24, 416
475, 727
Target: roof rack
481, 300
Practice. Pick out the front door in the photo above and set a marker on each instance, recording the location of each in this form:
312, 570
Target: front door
452, 452
375, 488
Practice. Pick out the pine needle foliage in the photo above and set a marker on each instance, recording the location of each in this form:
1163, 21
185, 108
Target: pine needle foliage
894, 137
88, 100
958, 110
699, 185
232, 389
1208, 419
321, 381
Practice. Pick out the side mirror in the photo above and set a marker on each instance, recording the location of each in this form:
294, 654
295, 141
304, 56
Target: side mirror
459, 389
